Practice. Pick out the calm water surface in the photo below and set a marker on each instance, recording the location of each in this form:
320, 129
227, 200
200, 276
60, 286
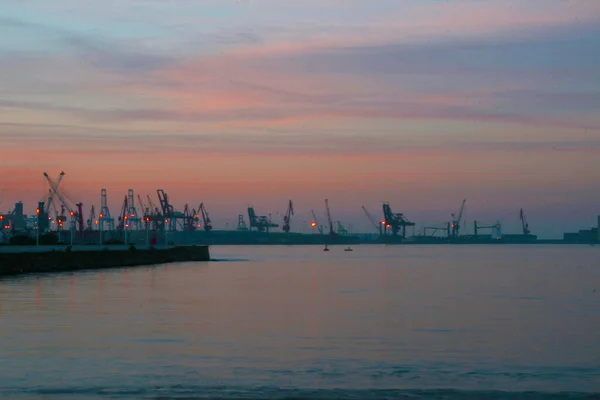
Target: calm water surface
462, 322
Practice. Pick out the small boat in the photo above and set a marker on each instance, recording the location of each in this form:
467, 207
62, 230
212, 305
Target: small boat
325, 249
348, 248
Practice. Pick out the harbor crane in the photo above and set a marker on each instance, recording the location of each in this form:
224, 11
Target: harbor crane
190, 218
104, 215
524, 223
261, 223
397, 222
495, 228
456, 220
169, 214
331, 231
50, 202
445, 228
92, 221
374, 222
205, 218
315, 223
76, 212
288, 217
123, 216
241, 225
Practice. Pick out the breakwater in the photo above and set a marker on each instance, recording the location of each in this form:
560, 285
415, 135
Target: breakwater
16, 261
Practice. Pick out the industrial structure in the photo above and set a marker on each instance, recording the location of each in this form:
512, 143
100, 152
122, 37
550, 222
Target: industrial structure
59, 218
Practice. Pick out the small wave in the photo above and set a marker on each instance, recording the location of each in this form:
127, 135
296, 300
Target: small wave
179, 392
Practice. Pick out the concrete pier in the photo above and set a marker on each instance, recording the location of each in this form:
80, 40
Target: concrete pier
16, 260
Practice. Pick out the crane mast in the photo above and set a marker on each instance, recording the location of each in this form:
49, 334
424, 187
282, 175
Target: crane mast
524, 223
331, 231
205, 219
456, 220
288, 217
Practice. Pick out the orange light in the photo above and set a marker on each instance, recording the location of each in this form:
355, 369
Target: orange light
37, 211
147, 219
100, 216
1, 217
126, 225
382, 222
388, 226
96, 222
166, 221
132, 214
313, 224
126, 217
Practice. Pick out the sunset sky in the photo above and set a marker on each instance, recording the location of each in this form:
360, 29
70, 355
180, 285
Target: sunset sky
420, 103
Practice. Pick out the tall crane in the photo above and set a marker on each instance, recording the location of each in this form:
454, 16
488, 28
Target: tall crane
133, 216
371, 218
288, 217
524, 223
123, 215
331, 231
190, 218
205, 218
315, 223
50, 202
105, 212
397, 222
77, 213
260, 223
91, 222
456, 219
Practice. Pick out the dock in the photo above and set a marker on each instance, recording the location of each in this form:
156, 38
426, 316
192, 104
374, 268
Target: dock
17, 260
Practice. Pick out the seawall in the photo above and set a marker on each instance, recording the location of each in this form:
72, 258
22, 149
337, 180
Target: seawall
17, 261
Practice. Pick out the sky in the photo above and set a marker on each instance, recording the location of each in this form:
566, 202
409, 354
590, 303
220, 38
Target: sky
419, 103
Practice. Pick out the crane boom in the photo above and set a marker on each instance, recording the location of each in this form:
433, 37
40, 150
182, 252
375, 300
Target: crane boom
376, 225
331, 231
205, 219
315, 223
76, 213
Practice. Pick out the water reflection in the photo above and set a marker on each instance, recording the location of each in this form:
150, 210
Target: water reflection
467, 318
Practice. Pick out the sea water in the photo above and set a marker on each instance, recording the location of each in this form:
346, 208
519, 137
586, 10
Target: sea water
419, 322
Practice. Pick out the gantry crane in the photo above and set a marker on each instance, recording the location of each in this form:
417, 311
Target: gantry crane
287, 219
104, 216
397, 222
456, 220
495, 228
261, 223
